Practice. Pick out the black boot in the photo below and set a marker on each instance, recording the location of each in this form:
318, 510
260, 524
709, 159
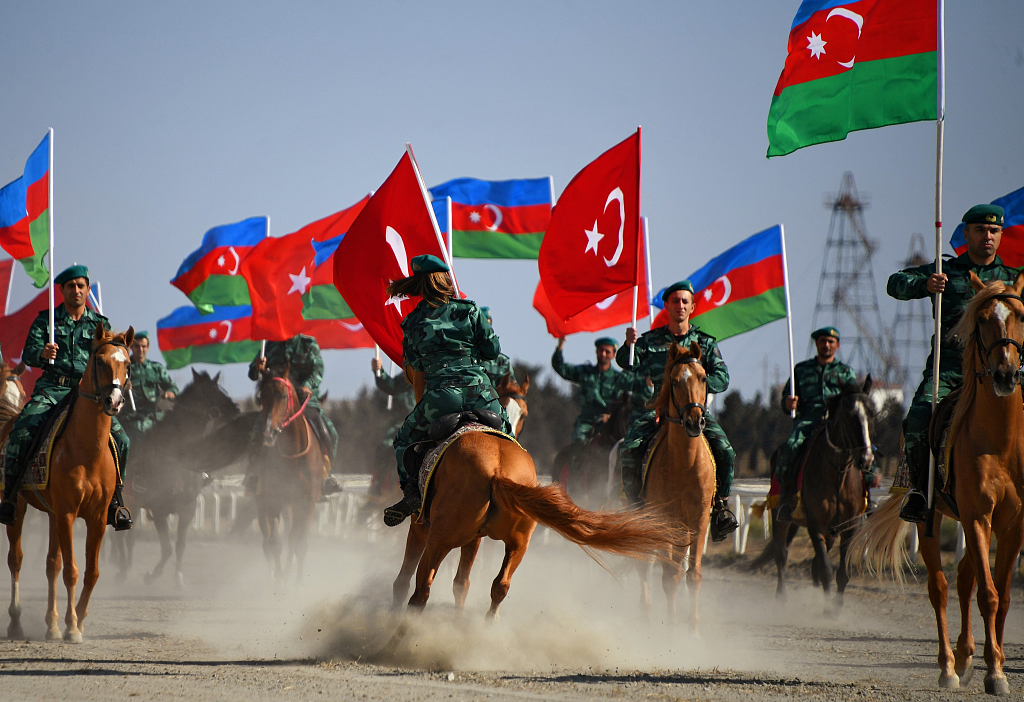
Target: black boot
408, 505
8, 512
915, 508
118, 515
723, 521
329, 487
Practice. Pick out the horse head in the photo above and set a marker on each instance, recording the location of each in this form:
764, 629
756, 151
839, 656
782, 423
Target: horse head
512, 397
108, 374
278, 401
991, 331
850, 422
685, 390
12, 392
204, 399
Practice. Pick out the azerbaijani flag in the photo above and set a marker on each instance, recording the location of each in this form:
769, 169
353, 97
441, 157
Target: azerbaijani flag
1011, 248
209, 276
223, 336
497, 218
739, 290
854, 65
25, 215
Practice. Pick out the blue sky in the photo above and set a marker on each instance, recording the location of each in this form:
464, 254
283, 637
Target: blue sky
171, 118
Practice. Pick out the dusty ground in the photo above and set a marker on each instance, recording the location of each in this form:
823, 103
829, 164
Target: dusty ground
568, 630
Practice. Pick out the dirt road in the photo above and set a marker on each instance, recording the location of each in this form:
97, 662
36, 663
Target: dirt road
568, 630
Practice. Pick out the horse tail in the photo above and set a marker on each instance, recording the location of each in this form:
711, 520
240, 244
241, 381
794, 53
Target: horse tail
634, 533
879, 545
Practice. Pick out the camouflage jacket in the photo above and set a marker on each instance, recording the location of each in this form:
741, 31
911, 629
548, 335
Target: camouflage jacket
497, 368
640, 390
306, 367
651, 355
597, 388
815, 384
398, 387
74, 341
149, 383
448, 342
912, 284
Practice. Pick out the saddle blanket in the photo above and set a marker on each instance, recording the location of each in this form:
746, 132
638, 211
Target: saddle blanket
37, 475
653, 446
433, 457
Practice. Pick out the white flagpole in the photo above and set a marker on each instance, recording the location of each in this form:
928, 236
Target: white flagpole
647, 252
789, 317
391, 374
263, 343
50, 217
639, 233
10, 286
433, 219
939, 125
551, 186
451, 248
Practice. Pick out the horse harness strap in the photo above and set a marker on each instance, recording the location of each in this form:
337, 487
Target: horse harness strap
1004, 341
115, 383
678, 419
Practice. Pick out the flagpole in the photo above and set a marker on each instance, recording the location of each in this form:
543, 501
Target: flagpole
647, 253
49, 196
433, 219
789, 318
937, 337
263, 343
10, 286
391, 374
639, 233
451, 248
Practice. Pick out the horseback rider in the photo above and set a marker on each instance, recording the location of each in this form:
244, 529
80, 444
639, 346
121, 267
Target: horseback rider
983, 230
301, 355
445, 338
817, 380
599, 385
150, 383
496, 368
74, 325
650, 356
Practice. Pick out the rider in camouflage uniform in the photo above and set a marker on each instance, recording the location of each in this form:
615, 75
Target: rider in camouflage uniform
650, 357
496, 368
444, 338
150, 383
983, 227
817, 380
74, 327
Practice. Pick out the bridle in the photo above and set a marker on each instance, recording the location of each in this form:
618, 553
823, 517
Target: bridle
678, 419
103, 392
1004, 341
841, 450
291, 402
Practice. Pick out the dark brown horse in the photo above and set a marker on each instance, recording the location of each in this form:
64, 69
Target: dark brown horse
588, 482
81, 484
832, 495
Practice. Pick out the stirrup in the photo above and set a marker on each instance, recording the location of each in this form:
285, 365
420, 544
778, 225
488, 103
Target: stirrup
396, 513
120, 518
914, 508
723, 521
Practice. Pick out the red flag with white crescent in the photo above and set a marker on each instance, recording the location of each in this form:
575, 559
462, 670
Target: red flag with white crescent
590, 249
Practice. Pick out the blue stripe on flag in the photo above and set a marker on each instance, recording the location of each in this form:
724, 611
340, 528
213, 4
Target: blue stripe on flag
325, 249
248, 232
809, 7
189, 315
39, 162
441, 214
503, 193
12, 203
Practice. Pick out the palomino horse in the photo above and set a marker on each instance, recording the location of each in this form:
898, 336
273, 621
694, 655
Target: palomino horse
291, 468
987, 432
487, 486
681, 478
81, 484
832, 494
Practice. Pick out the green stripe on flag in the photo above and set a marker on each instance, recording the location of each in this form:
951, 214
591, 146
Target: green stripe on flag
473, 244
325, 302
231, 352
230, 290
871, 94
743, 315
39, 235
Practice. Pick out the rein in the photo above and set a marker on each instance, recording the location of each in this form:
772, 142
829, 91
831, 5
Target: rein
1004, 341
291, 402
105, 390
678, 419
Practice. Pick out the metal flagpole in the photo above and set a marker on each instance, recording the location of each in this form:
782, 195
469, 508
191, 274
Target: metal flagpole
263, 343
49, 195
10, 286
647, 252
433, 219
936, 339
789, 317
639, 233
391, 373
451, 248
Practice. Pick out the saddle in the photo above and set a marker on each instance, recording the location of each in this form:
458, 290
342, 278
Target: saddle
942, 448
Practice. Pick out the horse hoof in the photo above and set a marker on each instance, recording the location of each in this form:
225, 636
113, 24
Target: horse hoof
148, 578
968, 671
73, 637
949, 682
179, 581
53, 635
15, 632
997, 686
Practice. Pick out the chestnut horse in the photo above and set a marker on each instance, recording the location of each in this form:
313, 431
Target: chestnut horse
681, 478
12, 395
291, 468
487, 486
81, 484
987, 432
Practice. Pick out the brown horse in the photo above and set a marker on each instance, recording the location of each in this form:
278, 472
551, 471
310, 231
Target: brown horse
291, 469
487, 486
987, 435
832, 494
81, 484
681, 478
12, 395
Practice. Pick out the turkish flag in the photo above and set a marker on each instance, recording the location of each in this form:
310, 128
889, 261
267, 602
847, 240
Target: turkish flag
279, 271
14, 332
609, 312
590, 249
339, 333
396, 225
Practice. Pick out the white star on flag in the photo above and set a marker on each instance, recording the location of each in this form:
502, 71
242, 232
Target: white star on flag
213, 333
707, 294
816, 45
592, 238
220, 261
299, 282
474, 216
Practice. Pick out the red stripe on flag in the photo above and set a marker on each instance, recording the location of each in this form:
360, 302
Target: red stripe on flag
15, 239
221, 332
223, 260
37, 198
741, 283
524, 219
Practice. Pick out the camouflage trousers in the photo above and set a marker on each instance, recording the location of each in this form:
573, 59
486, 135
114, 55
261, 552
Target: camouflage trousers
918, 420
44, 398
582, 432
633, 447
432, 406
786, 469
138, 423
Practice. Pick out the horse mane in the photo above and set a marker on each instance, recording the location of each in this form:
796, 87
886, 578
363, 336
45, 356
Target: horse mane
845, 390
963, 335
660, 402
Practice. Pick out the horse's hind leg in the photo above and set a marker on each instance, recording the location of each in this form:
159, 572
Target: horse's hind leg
431, 559
164, 532
643, 569
1006, 555
963, 655
461, 584
671, 574
938, 594
15, 557
65, 535
516, 544
842, 574
414, 545
93, 540
184, 524
53, 563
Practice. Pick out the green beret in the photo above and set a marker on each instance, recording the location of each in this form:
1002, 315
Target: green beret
606, 341
76, 271
825, 331
984, 214
486, 312
141, 335
681, 285
429, 264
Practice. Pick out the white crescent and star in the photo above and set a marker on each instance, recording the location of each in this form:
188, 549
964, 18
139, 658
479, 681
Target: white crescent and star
397, 245
238, 260
227, 334
299, 282
606, 303
612, 196
816, 45
497, 217
358, 326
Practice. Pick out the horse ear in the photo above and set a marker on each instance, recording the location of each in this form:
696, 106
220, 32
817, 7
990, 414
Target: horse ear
216, 378
98, 332
19, 369
1019, 284
129, 336
867, 381
195, 376
695, 350
526, 384
674, 351
976, 282
503, 380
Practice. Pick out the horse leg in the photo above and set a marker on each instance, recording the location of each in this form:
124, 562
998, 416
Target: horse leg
15, 556
160, 521
414, 545
643, 569
65, 534
938, 593
1006, 556
515, 548
964, 652
53, 563
431, 559
842, 575
780, 554
298, 538
821, 561
978, 537
93, 541
271, 543
461, 584
184, 524
671, 574
694, 577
